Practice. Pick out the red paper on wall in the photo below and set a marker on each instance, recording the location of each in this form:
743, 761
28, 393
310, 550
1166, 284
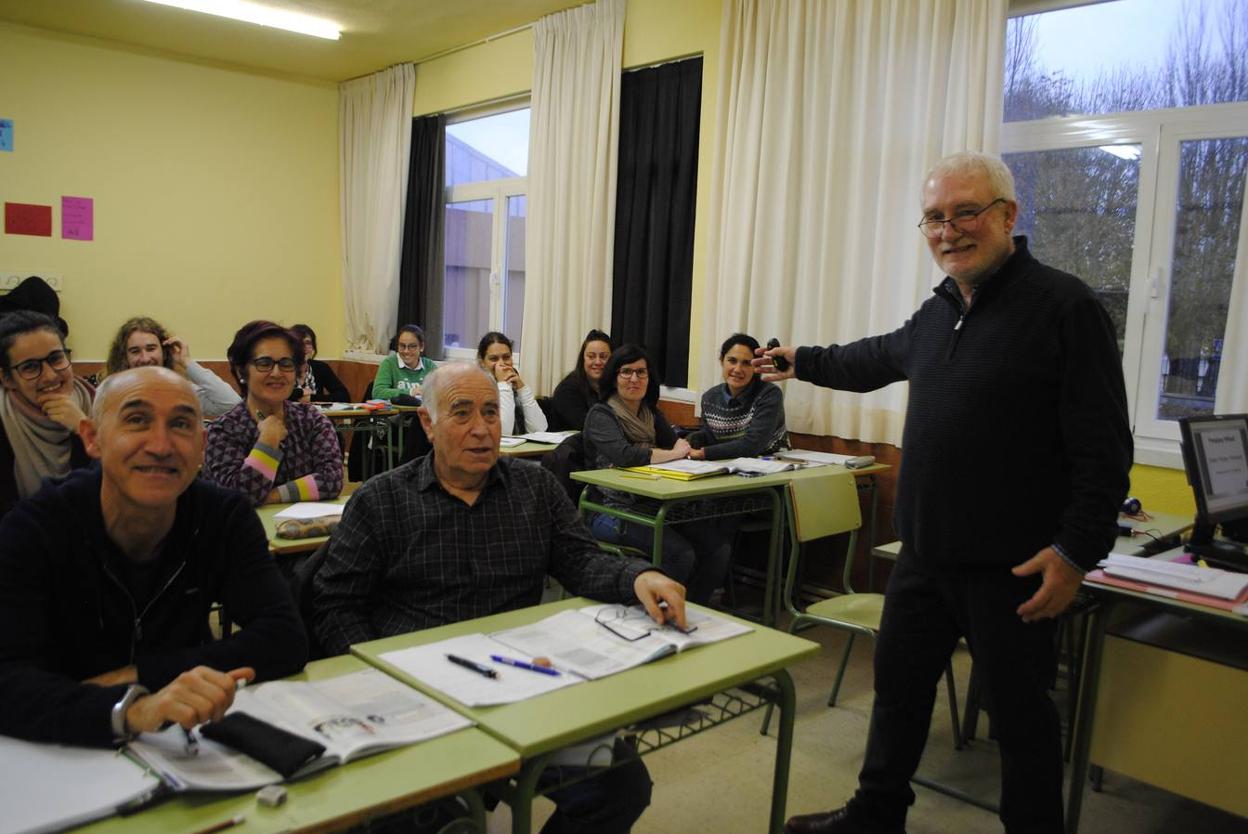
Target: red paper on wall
27, 219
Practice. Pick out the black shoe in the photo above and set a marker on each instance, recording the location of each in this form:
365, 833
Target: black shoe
833, 822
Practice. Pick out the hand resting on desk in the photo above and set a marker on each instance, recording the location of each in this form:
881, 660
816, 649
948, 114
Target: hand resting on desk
193, 697
652, 587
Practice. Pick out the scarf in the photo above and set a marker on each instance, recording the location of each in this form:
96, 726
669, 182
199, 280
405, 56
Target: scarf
41, 447
639, 427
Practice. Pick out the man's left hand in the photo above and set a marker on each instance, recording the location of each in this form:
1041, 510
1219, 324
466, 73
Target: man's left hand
1058, 586
653, 587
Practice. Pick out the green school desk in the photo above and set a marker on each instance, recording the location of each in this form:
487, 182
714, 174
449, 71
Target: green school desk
340, 797
286, 547
539, 727
731, 493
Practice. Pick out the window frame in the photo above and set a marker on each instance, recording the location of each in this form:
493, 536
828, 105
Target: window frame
499, 191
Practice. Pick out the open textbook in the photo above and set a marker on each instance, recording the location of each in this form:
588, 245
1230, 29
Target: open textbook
583, 644
688, 470
352, 715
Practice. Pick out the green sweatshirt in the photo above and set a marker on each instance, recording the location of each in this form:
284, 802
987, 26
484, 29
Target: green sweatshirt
393, 379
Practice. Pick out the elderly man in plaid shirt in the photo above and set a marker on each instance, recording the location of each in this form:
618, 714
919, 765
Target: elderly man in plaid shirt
461, 533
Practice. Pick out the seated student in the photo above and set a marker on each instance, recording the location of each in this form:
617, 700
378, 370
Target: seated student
400, 374
744, 416
107, 578
318, 383
577, 393
627, 429
519, 411
142, 341
42, 405
462, 533
270, 449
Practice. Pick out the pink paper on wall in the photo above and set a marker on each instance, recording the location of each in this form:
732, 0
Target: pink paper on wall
77, 218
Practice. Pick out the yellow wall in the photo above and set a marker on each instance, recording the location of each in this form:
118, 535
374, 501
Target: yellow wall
654, 31
216, 190
1163, 490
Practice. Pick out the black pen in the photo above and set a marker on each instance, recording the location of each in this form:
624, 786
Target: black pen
479, 668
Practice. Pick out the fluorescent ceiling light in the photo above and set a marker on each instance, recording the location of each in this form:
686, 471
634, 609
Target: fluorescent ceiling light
262, 15
1128, 152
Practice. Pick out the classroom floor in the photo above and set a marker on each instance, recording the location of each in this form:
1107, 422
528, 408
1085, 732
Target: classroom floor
720, 781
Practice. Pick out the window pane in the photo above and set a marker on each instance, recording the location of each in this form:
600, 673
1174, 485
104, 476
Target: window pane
1077, 208
466, 299
513, 268
490, 148
1207, 217
1126, 55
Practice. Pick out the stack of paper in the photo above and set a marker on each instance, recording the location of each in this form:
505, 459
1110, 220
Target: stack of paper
811, 458
1210, 582
311, 509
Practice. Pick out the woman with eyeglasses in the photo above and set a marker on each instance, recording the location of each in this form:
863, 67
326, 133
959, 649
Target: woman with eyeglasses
400, 374
517, 407
578, 392
743, 417
268, 448
41, 406
628, 429
317, 383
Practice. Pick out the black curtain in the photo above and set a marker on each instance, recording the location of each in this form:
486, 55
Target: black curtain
656, 188
421, 273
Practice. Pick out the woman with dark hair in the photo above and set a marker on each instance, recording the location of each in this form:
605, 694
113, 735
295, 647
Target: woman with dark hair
400, 374
41, 406
518, 410
268, 448
743, 417
142, 341
318, 383
577, 393
628, 429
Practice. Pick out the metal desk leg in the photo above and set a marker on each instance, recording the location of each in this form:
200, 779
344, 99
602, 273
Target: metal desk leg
520, 796
1094, 644
660, 518
787, 702
875, 500
476, 807
773, 590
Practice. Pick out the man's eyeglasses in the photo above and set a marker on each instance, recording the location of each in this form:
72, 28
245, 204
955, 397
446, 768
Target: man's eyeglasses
57, 360
628, 625
967, 220
264, 364
640, 373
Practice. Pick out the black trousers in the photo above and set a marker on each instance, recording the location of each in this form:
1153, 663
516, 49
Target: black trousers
923, 618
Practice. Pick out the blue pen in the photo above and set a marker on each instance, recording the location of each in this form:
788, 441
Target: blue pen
520, 664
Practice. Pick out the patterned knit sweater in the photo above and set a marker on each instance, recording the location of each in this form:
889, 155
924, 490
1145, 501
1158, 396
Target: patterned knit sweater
306, 466
741, 427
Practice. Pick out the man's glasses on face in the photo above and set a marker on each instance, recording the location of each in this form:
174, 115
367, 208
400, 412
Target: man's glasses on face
966, 220
264, 364
639, 373
57, 360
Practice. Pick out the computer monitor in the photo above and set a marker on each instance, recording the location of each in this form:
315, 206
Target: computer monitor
1215, 454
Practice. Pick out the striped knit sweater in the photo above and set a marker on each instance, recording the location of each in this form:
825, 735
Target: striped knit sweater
307, 466
741, 427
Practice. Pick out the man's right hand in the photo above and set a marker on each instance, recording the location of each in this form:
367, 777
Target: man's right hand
193, 697
764, 362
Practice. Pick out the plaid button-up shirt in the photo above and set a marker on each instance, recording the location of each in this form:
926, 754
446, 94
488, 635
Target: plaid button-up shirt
408, 555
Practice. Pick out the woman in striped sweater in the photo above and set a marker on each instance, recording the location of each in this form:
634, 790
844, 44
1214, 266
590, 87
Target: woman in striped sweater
743, 417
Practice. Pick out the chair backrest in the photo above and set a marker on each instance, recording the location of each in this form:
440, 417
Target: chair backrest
563, 460
819, 507
824, 506
302, 571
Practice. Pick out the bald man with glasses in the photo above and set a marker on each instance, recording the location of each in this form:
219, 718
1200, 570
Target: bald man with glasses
1015, 459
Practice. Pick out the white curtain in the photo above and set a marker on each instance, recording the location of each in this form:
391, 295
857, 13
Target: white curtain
830, 115
375, 136
1232, 395
574, 124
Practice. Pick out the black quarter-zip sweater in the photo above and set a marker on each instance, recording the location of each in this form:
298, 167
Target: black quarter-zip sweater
71, 609
1016, 434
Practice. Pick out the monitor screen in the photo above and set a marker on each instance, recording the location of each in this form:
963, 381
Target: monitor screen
1215, 453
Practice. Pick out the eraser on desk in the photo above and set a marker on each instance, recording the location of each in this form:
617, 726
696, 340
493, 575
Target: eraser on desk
271, 796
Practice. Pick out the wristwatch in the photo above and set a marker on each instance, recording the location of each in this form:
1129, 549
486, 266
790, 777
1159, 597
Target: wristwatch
133, 693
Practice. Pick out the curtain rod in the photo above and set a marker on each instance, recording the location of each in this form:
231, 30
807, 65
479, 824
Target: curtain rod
477, 42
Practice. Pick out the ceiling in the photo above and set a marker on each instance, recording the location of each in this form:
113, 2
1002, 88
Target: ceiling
375, 33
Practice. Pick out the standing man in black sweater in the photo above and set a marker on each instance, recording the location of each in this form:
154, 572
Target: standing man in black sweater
1015, 458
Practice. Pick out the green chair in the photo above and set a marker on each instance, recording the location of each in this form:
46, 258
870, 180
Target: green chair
821, 507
